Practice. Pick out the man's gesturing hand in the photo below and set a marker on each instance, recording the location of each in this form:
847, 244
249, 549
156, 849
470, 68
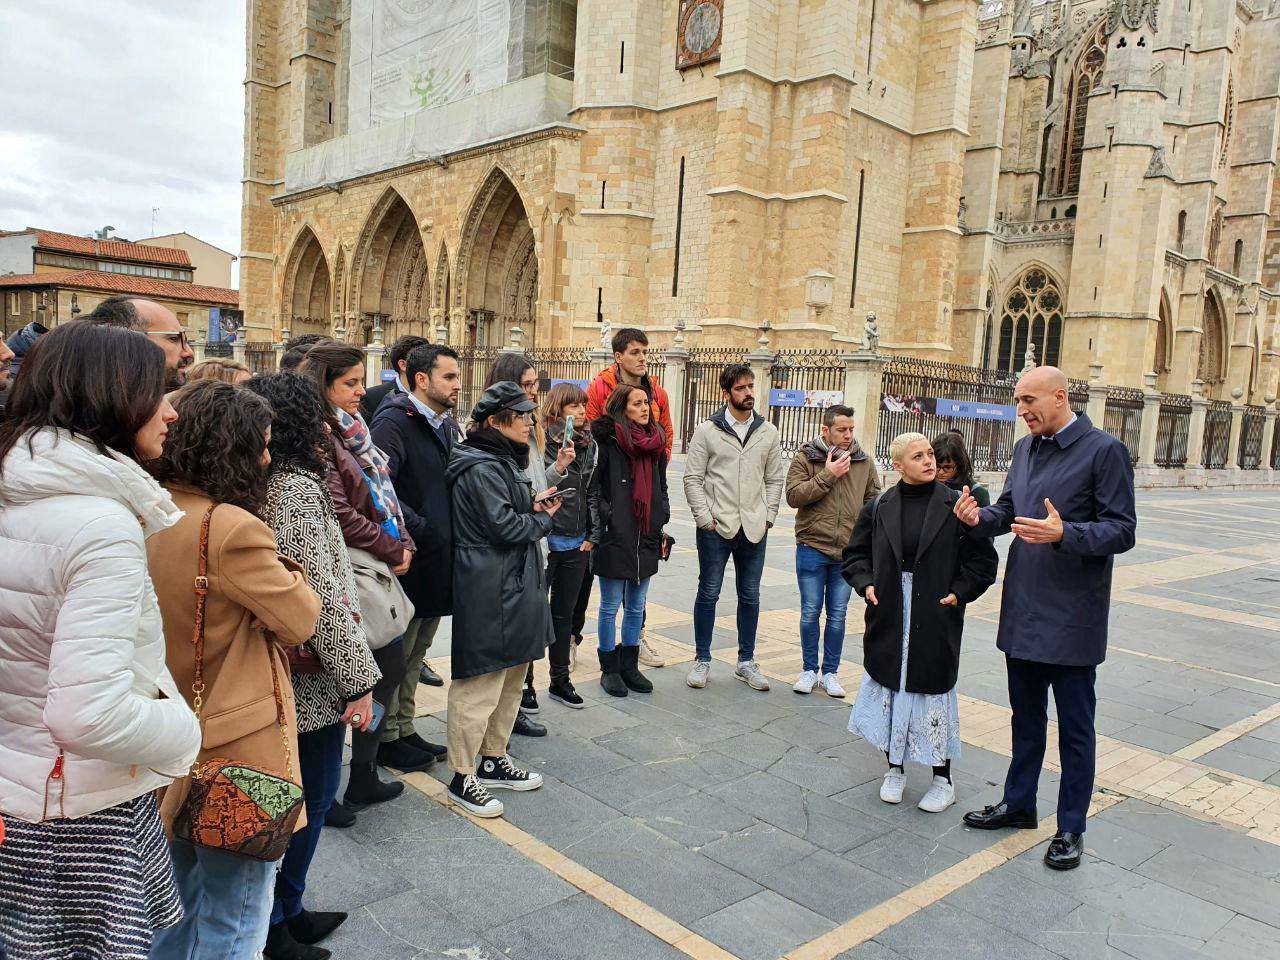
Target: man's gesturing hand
837, 468
966, 509
1048, 530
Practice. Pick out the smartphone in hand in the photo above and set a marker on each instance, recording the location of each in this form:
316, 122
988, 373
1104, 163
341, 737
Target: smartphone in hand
549, 496
568, 431
379, 711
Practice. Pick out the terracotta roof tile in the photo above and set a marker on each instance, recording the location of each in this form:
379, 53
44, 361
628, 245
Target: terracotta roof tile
124, 283
56, 242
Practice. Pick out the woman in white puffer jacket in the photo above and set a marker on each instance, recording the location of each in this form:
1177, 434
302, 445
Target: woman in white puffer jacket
91, 723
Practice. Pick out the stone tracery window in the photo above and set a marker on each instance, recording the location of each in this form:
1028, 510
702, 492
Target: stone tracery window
1085, 76
1032, 314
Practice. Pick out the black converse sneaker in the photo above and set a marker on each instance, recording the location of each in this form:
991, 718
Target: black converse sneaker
529, 700
562, 691
499, 773
469, 793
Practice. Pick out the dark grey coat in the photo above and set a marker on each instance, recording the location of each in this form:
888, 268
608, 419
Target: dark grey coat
1057, 598
501, 618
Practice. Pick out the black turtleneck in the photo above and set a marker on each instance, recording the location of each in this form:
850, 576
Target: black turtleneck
915, 502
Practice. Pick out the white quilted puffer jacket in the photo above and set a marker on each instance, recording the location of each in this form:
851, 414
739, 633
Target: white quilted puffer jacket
89, 714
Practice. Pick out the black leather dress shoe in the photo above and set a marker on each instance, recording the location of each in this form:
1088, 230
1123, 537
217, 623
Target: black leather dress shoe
1064, 851
527, 727
428, 676
1000, 816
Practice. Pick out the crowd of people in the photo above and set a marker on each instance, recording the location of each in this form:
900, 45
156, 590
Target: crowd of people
213, 579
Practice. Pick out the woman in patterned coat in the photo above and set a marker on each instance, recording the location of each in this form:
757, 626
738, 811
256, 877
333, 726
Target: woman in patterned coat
336, 673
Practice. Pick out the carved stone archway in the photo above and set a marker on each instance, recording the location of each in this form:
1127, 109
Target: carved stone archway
496, 282
389, 274
308, 291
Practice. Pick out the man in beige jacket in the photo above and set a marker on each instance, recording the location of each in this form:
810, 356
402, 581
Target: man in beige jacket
829, 481
733, 482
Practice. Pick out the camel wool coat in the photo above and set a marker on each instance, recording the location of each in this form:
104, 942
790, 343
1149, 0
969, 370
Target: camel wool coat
249, 584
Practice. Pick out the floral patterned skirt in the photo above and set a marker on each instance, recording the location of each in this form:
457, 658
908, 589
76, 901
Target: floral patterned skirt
920, 727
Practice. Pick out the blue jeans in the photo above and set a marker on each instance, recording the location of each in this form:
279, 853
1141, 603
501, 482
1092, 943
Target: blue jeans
714, 552
226, 904
820, 580
630, 596
320, 762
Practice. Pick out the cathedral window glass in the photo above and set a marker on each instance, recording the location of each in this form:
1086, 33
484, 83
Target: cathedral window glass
1032, 317
1083, 79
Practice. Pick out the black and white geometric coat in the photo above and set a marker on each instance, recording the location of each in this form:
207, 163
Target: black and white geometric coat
306, 527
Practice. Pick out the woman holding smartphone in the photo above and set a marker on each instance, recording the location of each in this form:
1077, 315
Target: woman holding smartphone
568, 549
629, 507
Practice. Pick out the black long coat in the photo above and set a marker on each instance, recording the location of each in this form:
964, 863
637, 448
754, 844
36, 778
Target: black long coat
416, 460
949, 559
623, 552
501, 616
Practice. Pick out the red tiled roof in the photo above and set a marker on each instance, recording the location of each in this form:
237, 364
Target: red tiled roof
56, 242
125, 283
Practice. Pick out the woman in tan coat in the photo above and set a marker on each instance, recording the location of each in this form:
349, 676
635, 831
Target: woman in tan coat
216, 459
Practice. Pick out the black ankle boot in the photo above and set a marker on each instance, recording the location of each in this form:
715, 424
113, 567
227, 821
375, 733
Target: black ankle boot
312, 926
609, 677
365, 789
629, 670
282, 946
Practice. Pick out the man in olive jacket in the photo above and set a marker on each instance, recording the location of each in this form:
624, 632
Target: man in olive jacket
829, 481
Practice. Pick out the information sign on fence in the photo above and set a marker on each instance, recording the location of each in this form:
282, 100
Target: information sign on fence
970, 410
813, 399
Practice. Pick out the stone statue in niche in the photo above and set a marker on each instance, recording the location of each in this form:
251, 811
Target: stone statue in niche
606, 337
871, 334
1029, 358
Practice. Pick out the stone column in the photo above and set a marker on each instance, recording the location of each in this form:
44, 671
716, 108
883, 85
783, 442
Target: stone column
761, 361
600, 358
1195, 430
1237, 423
516, 344
198, 347
279, 349
676, 360
1150, 421
1268, 433
863, 385
239, 351
374, 354
1097, 409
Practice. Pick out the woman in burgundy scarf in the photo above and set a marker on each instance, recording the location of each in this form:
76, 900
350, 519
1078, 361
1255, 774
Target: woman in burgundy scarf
629, 506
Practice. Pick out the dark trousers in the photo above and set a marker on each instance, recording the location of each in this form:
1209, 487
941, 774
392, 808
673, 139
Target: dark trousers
390, 660
714, 552
320, 764
569, 573
1074, 696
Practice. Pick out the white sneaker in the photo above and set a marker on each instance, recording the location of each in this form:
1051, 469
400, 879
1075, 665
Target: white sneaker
806, 681
697, 677
831, 685
940, 796
894, 782
650, 657
749, 673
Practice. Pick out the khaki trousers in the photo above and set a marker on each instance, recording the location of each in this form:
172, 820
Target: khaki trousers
402, 703
482, 713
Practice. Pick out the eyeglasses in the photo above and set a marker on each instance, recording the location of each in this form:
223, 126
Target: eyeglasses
176, 337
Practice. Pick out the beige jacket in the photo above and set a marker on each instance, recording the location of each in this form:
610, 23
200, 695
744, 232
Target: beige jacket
735, 485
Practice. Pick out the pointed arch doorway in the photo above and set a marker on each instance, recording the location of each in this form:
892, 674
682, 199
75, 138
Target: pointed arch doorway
497, 276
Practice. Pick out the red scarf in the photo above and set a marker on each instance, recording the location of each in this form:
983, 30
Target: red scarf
643, 444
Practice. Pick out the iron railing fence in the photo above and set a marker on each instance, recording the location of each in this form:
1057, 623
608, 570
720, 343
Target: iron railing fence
260, 357
702, 396
911, 389
562, 363
805, 371
475, 363
1217, 435
1078, 395
217, 349
1123, 417
1173, 430
1250, 454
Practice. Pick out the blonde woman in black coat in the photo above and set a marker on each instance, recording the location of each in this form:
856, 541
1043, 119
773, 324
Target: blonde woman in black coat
916, 566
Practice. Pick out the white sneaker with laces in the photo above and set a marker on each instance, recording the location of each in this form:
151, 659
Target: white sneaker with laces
698, 675
749, 673
805, 682
894, 782
831, 685
650, 657
941, 795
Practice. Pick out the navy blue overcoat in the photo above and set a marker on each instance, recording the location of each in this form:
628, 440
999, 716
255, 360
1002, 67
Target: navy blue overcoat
1057, 597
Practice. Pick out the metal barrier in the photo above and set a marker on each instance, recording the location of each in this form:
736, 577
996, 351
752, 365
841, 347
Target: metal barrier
475, 363
1250, 453
260, 357
1123, 418
804, 370
1078, 395
911, 388
1217, 434
1173, 430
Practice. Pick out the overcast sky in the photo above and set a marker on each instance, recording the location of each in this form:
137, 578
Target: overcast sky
110, 109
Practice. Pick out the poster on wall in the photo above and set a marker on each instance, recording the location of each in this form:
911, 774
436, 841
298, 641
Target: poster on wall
410, 55
819, 399
952, 409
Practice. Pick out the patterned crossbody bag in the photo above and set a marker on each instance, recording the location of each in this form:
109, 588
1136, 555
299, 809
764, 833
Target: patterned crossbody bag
230, 806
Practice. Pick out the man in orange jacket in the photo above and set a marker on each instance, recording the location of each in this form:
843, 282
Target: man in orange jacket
631, 365
631, 356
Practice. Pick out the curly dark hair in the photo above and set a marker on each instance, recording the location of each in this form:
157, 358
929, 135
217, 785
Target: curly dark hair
298, 439
216, 444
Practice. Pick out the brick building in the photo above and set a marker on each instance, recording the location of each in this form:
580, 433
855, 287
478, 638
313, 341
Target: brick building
1093, 180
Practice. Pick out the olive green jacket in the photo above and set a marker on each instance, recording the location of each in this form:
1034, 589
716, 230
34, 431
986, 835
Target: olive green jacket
828, 507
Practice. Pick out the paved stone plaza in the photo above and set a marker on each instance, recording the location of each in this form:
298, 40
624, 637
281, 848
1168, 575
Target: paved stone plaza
726, 823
